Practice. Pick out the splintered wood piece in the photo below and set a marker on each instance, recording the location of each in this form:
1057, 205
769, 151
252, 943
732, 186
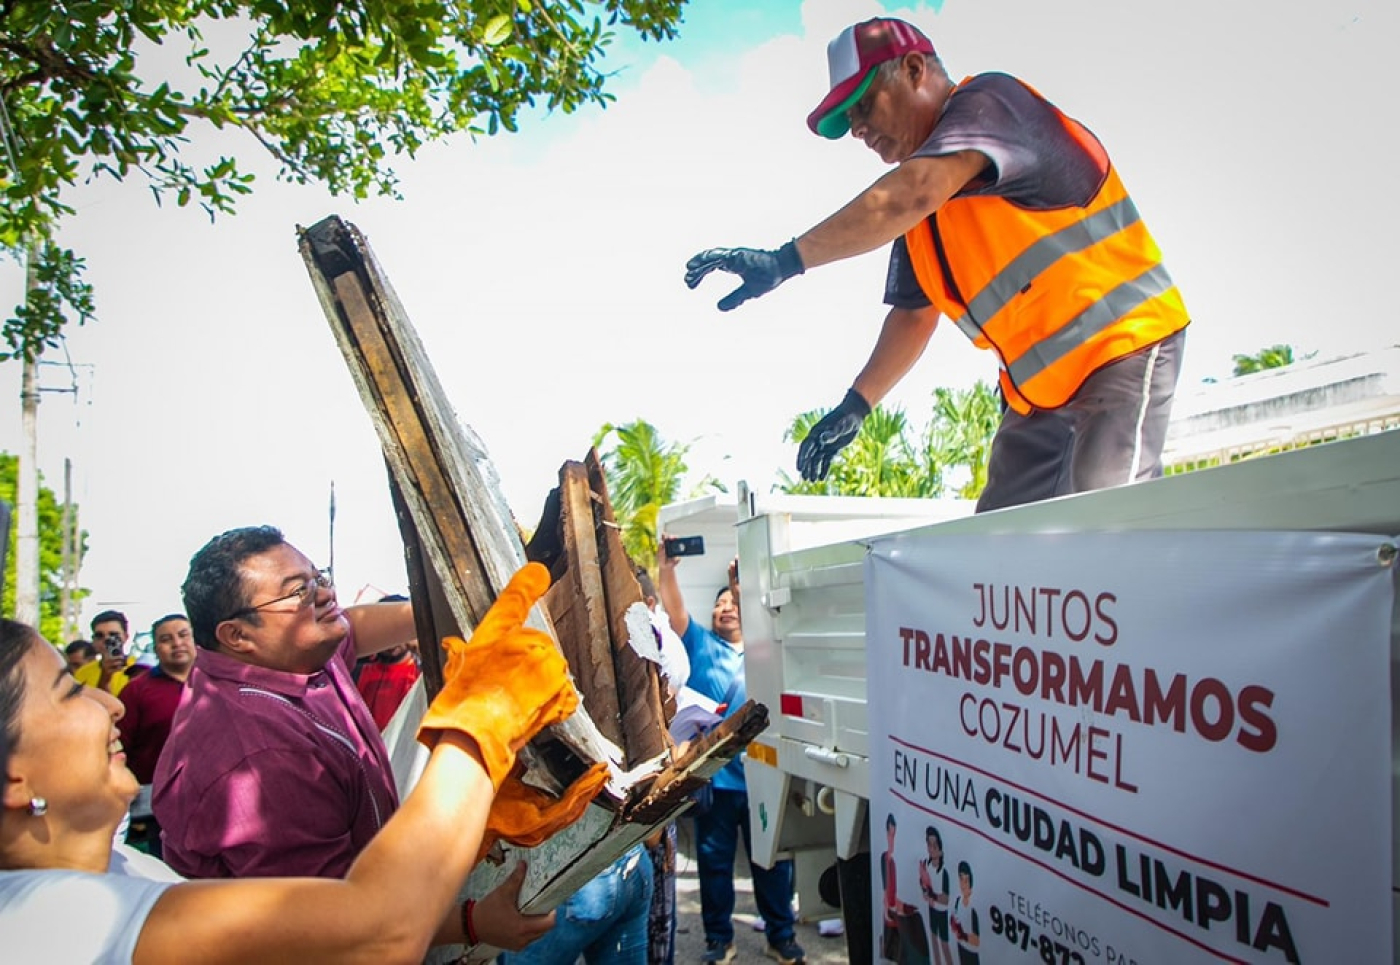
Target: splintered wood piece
594, 585
462, 546
434, 620
460, 521
414, 456
695, 762
638, 682
578, 604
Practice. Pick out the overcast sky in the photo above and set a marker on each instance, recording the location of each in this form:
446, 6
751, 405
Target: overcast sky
543, 270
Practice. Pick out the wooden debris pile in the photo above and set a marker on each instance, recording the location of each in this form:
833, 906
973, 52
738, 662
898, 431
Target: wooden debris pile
462, 545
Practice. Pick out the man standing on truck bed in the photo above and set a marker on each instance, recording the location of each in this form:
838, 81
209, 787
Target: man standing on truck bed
717, 671
1007, 217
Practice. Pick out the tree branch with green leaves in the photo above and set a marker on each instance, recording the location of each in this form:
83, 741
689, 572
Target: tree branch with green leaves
333, 92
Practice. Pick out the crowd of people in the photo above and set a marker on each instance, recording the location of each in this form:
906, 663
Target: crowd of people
275, 652
187, 801
247, 747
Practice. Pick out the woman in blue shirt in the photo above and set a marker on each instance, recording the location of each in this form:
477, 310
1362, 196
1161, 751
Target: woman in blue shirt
717, 670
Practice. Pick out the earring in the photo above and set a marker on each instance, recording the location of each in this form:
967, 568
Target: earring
38, 807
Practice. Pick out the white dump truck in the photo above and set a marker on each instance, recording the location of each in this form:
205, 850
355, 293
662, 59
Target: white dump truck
807, 581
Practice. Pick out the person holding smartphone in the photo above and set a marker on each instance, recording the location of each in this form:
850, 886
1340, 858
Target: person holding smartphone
717, 671
108, 671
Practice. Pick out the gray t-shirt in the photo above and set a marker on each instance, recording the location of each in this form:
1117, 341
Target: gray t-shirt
1034, 161
76, 917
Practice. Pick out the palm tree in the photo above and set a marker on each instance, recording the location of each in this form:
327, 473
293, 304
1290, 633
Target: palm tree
960, 433
883, 461
643, 473
878, 462
1273, 357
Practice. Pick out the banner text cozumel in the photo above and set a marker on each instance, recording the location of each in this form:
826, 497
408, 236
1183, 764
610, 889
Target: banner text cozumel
1131, 747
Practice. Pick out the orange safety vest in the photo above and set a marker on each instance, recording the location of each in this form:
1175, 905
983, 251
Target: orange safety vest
1056, 293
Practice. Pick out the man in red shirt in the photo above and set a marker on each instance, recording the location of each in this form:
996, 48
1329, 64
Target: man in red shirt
150, 700
385, 679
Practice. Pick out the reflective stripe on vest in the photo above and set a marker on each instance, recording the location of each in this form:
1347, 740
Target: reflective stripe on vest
1023, 270
1057, 293
1094, 319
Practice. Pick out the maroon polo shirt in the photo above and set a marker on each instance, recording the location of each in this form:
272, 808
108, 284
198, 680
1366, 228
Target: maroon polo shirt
268, 773
150, 701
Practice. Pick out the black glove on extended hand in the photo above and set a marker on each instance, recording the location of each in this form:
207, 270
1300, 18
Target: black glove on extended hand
829, 436
762, 271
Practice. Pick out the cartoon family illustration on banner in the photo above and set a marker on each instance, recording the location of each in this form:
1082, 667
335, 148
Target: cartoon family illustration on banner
924, 932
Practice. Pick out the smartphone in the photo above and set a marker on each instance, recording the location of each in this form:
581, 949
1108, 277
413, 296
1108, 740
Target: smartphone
685, 545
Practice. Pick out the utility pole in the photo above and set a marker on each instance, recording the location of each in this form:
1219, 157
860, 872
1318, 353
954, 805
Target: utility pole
27, 485
66, 611
27, 470
71, 561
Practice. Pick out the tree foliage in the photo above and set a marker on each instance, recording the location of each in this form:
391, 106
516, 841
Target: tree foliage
57, 294
50, 553
892, 457
644, 472
1272, 357
960, 433
333, 90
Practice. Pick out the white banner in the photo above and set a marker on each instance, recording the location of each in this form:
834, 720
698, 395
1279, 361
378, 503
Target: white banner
1139, 748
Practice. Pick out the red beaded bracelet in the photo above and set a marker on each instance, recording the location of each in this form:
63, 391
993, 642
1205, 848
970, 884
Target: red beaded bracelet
467, 928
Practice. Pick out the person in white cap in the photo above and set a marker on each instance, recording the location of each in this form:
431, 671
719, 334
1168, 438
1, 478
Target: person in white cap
1007, 217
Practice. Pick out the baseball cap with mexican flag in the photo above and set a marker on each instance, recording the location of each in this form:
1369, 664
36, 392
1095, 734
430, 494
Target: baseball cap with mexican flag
852, 59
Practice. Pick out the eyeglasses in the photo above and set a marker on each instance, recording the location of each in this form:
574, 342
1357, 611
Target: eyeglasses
305, 595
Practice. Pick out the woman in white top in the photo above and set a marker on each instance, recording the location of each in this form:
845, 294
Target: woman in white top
65, 896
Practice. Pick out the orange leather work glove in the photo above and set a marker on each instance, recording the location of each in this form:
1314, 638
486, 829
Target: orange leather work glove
527, 816
507, 684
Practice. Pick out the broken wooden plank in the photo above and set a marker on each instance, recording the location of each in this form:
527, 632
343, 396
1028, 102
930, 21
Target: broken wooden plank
580, 590
462, 545
695, 762
644, 720
466, 531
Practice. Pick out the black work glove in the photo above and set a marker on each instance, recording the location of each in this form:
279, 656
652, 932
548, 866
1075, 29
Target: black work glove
830, 435
762, 271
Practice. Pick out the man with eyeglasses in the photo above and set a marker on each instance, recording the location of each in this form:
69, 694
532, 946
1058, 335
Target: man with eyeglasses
109, 634
1007, 217
274, 765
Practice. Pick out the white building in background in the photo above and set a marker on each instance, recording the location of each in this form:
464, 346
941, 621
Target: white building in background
1313, 400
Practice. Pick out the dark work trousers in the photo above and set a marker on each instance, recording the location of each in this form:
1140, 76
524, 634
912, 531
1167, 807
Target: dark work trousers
716, 840
1109, 434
